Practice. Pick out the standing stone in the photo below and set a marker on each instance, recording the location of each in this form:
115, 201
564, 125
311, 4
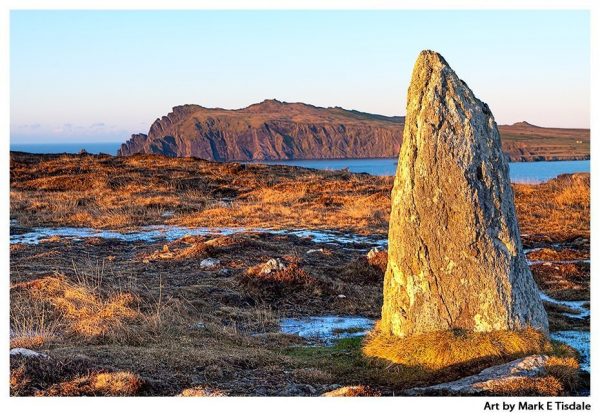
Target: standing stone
455, 255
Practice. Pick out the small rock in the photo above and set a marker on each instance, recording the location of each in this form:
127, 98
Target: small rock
291, 390
272, 265
373, 252
342, 296
27, 353
221, 204
198, 325
312, 251
530, 366
209, 263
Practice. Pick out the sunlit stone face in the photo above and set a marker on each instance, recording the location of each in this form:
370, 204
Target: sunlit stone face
455, 256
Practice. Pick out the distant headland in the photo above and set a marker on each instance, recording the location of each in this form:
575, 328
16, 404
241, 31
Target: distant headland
276, 130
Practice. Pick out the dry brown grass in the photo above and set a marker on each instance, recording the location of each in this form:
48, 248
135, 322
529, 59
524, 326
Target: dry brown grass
202, 392
184, 248
139, 190
565, 370
120, 383
32, 375
279, 284
559, 208
570, 281
366, 270
82, 308
551, 254
32, 324
125, 192
442, 350
353, 391
56, 306
524, 386
144, 331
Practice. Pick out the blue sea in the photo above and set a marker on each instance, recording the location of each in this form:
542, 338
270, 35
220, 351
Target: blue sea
531, 172
99, 147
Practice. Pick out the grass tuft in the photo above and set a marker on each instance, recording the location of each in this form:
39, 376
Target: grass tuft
279, 284
353, 391
525, 386
565, 370
120, 383
201, 392
82, 308
446, 349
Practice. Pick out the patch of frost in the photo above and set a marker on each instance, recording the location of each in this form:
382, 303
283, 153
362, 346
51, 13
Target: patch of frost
327, 328
580, 340
172, 232
576, 305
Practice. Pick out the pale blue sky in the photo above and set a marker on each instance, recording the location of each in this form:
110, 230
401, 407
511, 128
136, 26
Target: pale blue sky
101, 75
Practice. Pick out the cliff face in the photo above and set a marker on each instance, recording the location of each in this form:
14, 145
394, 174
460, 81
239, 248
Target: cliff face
270, 130
273, 130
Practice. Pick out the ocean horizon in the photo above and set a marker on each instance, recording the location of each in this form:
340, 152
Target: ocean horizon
523, 172
110, 148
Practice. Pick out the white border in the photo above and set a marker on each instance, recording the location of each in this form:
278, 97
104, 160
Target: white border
280, 406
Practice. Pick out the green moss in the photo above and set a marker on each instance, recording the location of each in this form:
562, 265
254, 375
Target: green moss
349, 366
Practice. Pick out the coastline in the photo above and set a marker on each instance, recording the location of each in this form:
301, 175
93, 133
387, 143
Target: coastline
541, 158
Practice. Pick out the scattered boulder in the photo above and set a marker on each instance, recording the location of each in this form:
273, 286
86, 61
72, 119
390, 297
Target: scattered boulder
373, 253
528, 375
293, 389
272, 265
25, 352
210, 263
455, 258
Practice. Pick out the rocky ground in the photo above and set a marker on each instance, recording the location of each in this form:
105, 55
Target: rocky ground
200, 314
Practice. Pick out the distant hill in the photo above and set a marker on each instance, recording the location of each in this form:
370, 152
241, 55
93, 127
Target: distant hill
524, 124
275, 130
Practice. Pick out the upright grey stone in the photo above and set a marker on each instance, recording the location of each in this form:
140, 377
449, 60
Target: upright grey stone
455, 254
